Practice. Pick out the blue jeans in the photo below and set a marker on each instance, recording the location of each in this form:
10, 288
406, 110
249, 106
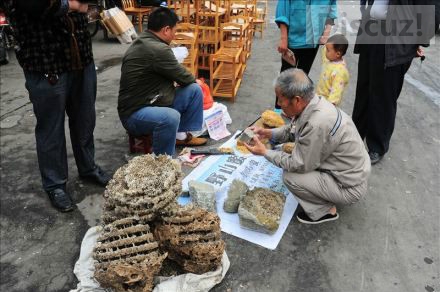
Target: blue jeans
74, 93
163, 123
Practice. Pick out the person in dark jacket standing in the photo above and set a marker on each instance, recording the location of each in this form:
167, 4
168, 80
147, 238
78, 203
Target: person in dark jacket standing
55, 51
384, 60
149, 101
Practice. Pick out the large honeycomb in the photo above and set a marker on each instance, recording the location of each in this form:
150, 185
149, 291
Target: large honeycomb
142, 187
192, 238
128, 256
261, 210
272, 119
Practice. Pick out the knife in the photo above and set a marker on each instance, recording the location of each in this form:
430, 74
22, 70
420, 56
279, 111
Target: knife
239, 134
209, 152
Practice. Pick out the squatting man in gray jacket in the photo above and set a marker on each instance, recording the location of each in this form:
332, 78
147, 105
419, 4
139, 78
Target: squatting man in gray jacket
329, 164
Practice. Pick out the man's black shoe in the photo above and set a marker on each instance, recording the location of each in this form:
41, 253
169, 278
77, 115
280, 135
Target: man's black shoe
61, 200
375, 157
304, 218
97, 176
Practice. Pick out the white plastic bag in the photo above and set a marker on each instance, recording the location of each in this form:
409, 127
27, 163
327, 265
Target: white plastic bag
180, 53
206, 113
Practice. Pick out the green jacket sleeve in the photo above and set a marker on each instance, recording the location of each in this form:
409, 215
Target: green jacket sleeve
165, 64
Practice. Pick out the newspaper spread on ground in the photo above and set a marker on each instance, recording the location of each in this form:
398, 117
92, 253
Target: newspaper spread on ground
255, 171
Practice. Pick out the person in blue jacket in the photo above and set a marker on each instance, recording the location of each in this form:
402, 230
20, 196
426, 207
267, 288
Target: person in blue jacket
304, 25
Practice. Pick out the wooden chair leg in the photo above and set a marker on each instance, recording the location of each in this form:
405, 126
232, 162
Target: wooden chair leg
140, 22
211, 73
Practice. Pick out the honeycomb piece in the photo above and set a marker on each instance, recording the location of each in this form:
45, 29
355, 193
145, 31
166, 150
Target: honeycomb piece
261, 210
272, 119
199, 229
199, 257
142, 187
241, 148
192, 238
288, 147
127, 256
236, 191
226, 150
202, 195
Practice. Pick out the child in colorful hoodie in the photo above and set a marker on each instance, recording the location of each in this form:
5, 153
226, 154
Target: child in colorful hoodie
334, 75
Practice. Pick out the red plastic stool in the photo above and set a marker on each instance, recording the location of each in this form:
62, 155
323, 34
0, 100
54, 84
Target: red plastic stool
140, 144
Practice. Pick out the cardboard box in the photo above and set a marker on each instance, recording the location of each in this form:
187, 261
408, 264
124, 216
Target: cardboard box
117, 23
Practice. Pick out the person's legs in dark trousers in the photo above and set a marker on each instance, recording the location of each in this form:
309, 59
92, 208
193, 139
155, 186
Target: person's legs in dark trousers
161, 122
360, 109
383, 109
304, 60
188, 101
49, 103
363, 4
80, 108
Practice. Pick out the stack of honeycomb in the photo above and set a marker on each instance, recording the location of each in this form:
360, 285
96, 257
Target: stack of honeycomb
127, 256
192, 238
141, 194
142, 188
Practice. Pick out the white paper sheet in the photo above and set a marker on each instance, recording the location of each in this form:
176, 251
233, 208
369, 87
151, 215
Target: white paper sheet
255, 171
216, 125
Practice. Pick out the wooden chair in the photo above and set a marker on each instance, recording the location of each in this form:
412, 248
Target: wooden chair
184, 9
138, 14
226, 65
243, 7
210, 14
259, 22
248, 33
187, 35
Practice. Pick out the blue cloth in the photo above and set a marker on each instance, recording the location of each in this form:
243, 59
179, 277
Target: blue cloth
164, 122
295, 14
73, 93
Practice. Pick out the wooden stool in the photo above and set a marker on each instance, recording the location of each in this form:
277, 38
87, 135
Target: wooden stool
140, 144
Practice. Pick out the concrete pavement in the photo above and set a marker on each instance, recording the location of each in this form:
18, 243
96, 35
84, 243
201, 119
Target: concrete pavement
387, 242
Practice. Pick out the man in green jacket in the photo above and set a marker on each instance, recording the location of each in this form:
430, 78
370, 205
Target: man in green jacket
149, 102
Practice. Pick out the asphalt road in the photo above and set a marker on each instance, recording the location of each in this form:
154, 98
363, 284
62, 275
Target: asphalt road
387, 242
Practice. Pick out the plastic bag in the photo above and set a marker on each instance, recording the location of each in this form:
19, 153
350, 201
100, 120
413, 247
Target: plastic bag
208, 101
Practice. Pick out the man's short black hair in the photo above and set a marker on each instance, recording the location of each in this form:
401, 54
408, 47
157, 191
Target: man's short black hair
339, 42
161, 17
